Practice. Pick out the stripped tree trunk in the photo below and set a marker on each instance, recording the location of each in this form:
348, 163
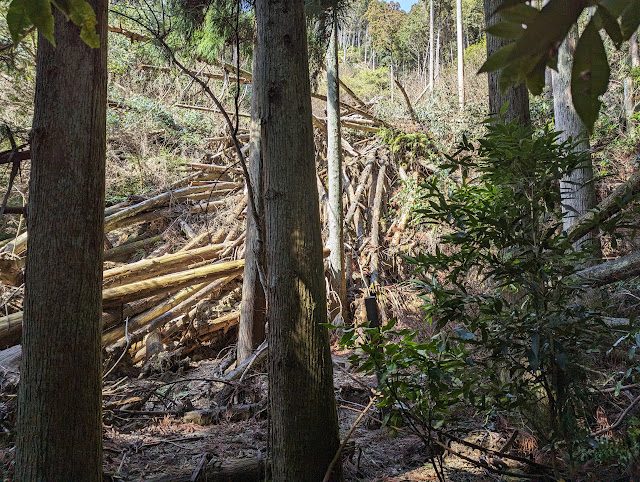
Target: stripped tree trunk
60, 394
334, 159
251, 331
303, 425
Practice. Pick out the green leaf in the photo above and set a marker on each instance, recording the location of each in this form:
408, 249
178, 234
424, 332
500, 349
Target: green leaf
18, 20
83, 15
536, 78
39, 12
505, 30
521, 13
610, 24
546, 32
630, 19
590, 75
498, 60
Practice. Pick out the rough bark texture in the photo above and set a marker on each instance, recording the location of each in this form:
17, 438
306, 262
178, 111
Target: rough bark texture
251, 331
577, 189
59, 409
518, 97
334, 160
460, 54
303, 425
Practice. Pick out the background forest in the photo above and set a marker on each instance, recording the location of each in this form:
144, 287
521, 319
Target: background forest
352, 241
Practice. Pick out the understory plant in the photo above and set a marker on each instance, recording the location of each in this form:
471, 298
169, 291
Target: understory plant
516, 331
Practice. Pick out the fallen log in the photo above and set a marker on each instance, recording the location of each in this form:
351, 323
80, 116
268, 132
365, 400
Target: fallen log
375, 223
208, 109
154, 202
130, 248
162, 265
618, 269
351, 94
362, 181
10, 325
353, 109
207, 75
133, 36
142, 289
139, 320
176, 312
213, 168
408, 102
612, 204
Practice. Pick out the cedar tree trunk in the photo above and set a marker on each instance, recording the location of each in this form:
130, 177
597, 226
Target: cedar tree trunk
60, 395
303, 425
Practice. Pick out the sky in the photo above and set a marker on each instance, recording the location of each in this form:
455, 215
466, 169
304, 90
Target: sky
406, 4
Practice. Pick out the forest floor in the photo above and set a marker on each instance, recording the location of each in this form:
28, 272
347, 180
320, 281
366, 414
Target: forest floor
162, 424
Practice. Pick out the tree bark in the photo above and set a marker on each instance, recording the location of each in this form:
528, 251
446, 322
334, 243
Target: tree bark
518, 96
251, 331
334, 160
577, 189
303, 425
60, 407
431, 46
460, 54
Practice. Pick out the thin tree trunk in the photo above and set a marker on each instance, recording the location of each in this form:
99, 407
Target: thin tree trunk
303, 425
460, 54
431, 46
518, 96
436, 71
629, 100
251, 330
334, 160
60, 394
577, 189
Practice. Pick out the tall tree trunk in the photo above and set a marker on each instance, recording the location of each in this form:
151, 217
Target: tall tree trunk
629, 100
334, 160
303, 425
518, 96
577, 189
460, 54
251, 330
60, 394
431, 46
436, 69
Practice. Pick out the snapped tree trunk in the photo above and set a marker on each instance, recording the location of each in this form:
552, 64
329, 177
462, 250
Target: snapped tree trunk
303, 425
518, 96
577, 189
334, 160
60, 395
251, 330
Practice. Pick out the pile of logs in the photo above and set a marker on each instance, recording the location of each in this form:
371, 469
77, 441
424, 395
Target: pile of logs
174, 259
160, 293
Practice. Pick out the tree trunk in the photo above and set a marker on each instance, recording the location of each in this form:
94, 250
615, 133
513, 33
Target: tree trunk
629, 98
518, 96
303, 425
577, 189
60, 405
431, 46
334, 160
460, 54
251, 331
